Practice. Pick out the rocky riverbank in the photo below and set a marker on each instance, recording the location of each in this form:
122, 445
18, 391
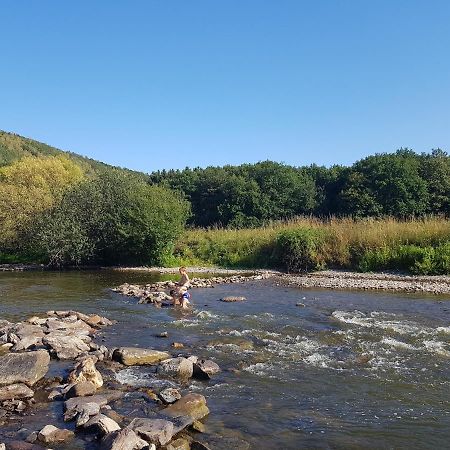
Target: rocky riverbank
88, 391
329, 279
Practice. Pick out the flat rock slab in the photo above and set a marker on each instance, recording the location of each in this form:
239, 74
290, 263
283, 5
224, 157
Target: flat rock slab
25, 368
131, 356
102, 425
15, 391
191, 405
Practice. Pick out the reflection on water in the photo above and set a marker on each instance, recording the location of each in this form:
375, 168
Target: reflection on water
347, 370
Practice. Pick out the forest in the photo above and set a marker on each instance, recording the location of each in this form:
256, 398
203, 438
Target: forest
61, 209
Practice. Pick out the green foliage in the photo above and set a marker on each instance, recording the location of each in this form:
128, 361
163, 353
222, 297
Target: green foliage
300, 250
114, 218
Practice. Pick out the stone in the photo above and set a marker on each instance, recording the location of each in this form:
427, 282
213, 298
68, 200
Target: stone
232, 299
125, 439
192, 405
82, 389
180, 368
52, 435
204, 368
85, 371
195, 445
101, 425
177, 345
2, 446
66, 344
15, 391
198, 426
25, 336
179, 444
25, 368
164, 334
170, 395
131, 356
154, 431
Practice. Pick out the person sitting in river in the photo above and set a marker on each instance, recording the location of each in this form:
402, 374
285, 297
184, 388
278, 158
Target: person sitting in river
181, 297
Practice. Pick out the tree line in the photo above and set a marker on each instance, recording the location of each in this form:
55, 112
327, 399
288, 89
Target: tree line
403, 184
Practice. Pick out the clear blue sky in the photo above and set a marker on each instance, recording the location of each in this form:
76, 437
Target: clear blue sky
168, 84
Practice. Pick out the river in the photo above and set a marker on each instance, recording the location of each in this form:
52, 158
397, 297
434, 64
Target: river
344, 370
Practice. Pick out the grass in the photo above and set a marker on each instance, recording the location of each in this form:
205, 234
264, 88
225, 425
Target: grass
416, 245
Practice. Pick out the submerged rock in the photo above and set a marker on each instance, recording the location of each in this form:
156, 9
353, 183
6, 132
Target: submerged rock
232, 299
191, 405
25, 368
131, 356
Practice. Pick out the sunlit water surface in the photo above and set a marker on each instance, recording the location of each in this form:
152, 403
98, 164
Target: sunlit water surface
348, 370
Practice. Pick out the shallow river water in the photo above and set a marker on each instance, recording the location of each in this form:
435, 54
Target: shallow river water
348, 370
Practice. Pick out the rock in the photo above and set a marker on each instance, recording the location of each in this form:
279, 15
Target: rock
302, 305
2, 447
112, 414
131, 356
25, 336
179, 444
204, 368
125, 439
192, 405
25, 368
155, 431
164, 334
66, 344
15, 391
85, 371
195, 445
224, 341
177, 345
52, 435
198, 426
101, 425
170, 395
81, 389
82, 408
22, 445
232, 299
180, 368
32, 437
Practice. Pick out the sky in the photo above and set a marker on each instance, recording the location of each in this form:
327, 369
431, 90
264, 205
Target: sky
166, 84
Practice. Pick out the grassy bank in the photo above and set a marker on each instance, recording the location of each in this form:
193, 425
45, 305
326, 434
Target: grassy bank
417, 246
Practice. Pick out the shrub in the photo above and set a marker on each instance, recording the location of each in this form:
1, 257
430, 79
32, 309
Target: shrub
299, 250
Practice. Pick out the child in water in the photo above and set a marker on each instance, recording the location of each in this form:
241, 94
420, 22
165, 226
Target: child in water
180, 295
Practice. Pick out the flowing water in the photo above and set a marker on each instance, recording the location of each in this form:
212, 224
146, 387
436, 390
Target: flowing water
348, 370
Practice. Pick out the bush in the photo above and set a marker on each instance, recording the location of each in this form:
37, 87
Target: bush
300, 250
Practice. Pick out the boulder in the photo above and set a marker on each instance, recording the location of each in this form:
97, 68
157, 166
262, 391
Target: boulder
52, 435
169, 395
179, 444
101, 424
81, 389
125, 439
66, 344
131, 356
85, 371
154, 431
15, 391
191, 405
25, 368
204, 368
181, 368
25, 336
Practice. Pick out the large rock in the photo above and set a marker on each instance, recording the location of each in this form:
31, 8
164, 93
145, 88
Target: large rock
85, 371
52, 435
25, 368
131, 356
155, 431
204, 368
169, 395
81, 389
181, 368
125, 439
15, 391
25, 336
101, 425
191, 405
66, 344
